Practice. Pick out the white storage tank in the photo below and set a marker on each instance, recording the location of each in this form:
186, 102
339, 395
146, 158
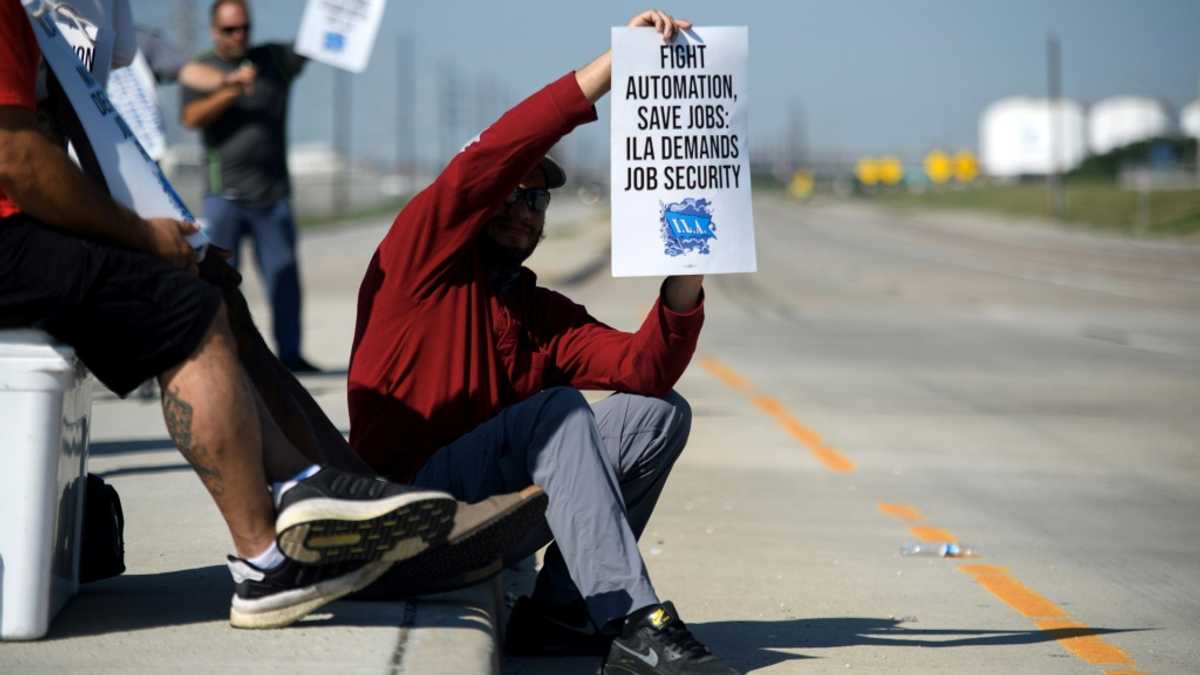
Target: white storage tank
1189, 119
1121, 120
1016, 136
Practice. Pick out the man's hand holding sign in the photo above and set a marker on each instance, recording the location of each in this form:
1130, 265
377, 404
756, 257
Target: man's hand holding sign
680, 166
681, 293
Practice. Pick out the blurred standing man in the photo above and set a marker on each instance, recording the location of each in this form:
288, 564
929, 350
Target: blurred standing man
132, 90
248, 191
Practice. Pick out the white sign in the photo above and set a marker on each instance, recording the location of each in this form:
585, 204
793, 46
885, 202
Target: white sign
680, 153
133, 91
133, 178
340, 33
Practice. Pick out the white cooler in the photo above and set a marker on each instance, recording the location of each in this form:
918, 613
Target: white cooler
45, 403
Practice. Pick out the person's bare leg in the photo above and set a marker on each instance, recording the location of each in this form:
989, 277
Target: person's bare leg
481, 532
210, 413
305, 425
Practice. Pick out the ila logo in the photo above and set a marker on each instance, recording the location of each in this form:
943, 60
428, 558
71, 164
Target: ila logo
687, 227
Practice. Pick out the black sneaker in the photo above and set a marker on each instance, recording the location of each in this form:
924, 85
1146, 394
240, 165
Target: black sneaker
655, 641
535, 629
483, 534
334, 516
279, 597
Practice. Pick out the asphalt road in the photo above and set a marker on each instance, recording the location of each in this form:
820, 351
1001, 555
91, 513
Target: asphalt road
885, 377
895, 376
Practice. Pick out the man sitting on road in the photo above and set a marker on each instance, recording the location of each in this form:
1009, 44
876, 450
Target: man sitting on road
465, 377
123, 292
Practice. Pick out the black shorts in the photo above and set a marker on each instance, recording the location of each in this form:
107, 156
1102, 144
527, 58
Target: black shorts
129, 316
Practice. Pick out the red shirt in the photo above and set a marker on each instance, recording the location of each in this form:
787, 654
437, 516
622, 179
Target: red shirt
19, 55
437, 350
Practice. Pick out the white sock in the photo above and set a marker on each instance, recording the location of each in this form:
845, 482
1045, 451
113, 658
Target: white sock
277, 489
268, 559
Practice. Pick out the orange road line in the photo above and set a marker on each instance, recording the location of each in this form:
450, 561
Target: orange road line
932, 534
902, 511
726, 375
1047, 616
1090, 648
831, 458
834, 460
1017, 595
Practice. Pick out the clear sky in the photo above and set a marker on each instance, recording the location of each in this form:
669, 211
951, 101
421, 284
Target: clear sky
866, 75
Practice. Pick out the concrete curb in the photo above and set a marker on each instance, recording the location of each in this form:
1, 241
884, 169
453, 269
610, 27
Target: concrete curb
451, 633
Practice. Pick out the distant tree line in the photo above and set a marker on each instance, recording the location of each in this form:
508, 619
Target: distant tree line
1156, 153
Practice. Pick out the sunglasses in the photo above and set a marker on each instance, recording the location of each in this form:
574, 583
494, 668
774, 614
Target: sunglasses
230, 30
537, 199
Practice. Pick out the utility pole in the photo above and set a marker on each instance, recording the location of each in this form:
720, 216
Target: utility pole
406, 94
342, 110
481, 103
182, 24
183, 16
451, 103
796, 137
1054, 188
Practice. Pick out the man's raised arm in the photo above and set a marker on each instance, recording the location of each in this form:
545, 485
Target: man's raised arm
679, 293
201, 112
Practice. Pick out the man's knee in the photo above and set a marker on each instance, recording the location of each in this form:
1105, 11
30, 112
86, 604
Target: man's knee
663, 422
682, 411
680, 420
220, 324
564, 401
219, 334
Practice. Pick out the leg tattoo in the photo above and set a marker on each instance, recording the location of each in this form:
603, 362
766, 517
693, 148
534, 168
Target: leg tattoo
177, 413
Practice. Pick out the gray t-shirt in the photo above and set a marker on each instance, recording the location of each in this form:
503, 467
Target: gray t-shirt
247, 144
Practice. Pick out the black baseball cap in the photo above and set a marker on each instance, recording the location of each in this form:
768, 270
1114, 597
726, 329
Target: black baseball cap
555, 176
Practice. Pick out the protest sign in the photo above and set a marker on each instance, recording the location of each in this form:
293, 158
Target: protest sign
133, 92
340, 33
680, 160
132, 177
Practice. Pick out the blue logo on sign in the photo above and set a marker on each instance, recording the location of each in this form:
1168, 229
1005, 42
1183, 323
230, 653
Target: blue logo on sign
687, 227
335, 42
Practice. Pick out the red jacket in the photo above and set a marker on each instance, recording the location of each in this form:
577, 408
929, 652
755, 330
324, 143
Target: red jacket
19, 56
437, 351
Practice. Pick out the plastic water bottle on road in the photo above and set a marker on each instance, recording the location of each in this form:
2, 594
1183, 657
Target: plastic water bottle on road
938, 549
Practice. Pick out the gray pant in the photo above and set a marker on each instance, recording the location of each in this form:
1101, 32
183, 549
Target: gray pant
603, 468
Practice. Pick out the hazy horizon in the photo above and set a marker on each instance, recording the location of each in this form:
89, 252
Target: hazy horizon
867, 77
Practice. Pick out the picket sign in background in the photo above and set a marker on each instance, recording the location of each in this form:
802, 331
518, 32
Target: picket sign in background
133, 178
340, 33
